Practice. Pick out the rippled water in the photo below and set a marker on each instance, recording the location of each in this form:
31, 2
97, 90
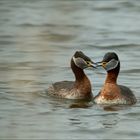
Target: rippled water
37, 40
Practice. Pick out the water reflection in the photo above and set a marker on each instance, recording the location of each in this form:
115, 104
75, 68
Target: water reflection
37, 40
110, 121
75, 121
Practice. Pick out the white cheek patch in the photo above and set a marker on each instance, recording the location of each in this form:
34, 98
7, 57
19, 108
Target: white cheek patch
111, 64
79, 62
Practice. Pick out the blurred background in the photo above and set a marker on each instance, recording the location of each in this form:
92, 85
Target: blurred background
37, 41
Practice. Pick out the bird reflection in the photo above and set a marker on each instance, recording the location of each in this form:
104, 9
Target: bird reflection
110, 120
81, 104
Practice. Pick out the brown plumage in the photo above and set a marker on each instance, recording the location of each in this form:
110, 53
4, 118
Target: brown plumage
111, 92
81, 87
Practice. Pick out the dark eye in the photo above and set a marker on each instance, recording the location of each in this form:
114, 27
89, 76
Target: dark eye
88, 62
104, 63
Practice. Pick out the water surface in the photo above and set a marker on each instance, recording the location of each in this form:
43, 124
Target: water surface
37, 41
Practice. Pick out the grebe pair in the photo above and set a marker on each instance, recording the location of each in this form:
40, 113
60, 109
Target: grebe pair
111, 92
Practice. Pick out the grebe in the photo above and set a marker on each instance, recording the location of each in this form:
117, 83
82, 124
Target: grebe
81, 87
111, 92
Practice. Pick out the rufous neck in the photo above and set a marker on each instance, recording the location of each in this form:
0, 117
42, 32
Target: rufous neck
78, 72
81, 80
112, 75
111, 78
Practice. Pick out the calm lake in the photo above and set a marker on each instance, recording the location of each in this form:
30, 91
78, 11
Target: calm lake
37, 41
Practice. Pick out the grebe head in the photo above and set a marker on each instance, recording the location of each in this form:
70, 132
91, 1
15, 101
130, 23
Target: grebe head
82, 61
110, 62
